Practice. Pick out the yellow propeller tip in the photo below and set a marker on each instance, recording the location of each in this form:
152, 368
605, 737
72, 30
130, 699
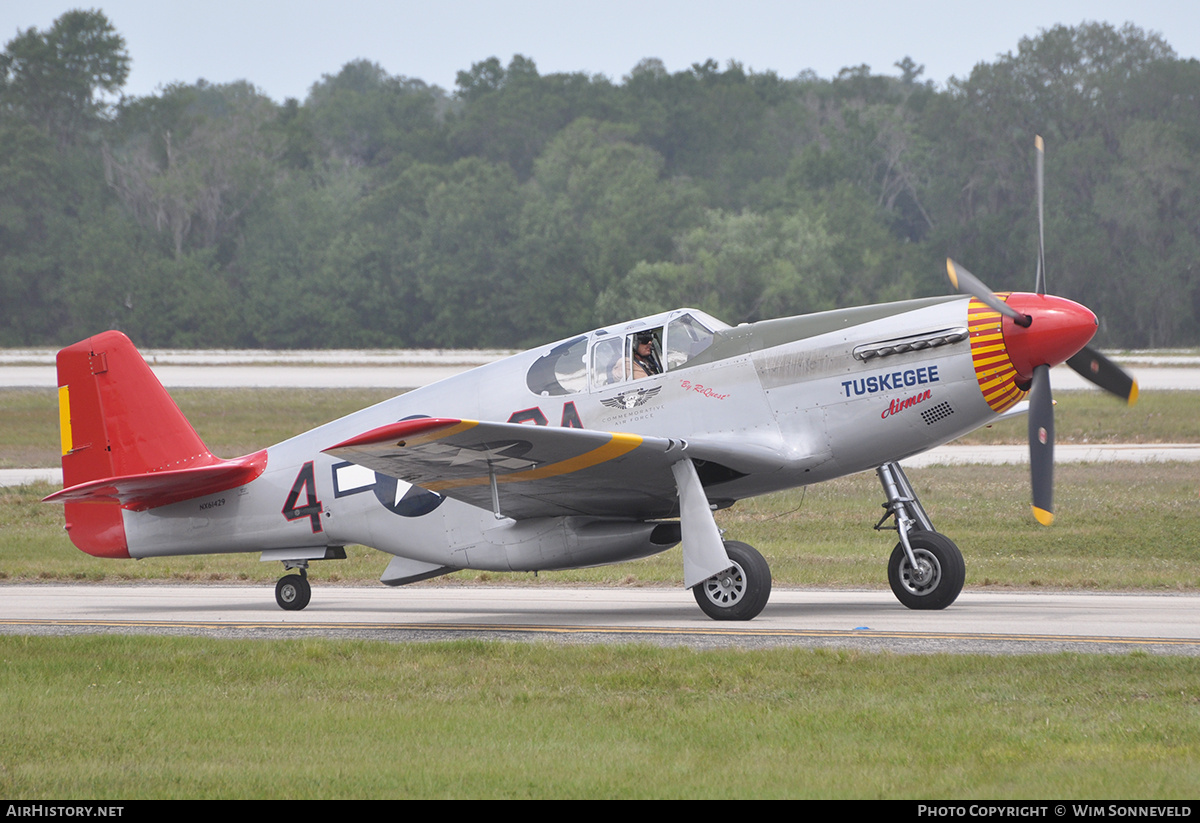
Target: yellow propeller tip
950, 271
1042, 516
1133, 393
1038, 142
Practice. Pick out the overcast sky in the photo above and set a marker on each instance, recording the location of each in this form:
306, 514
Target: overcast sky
284, 46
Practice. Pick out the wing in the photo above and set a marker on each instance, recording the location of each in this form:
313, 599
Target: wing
539, 471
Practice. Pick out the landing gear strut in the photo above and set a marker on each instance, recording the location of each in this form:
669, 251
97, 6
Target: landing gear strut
926, 569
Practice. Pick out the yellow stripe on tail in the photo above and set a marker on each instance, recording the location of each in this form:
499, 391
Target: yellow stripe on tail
64, 418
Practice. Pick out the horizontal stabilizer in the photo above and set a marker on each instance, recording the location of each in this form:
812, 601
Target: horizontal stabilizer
153, 489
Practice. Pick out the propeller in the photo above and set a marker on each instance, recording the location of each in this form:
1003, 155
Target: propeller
1041, 445
1050, 331
1039, 280
1087, 362
1092, 365
964, 281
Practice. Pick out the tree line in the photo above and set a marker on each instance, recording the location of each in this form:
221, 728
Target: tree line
520, 207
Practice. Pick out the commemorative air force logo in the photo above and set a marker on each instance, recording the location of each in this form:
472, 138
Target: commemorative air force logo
631, 399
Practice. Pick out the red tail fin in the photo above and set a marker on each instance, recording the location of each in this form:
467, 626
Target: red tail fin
121, 427
116, 417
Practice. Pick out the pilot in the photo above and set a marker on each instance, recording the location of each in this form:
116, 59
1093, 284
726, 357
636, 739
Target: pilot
644, 361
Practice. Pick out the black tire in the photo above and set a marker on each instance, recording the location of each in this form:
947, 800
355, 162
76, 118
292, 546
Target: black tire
739, 593
940, 560
292, 592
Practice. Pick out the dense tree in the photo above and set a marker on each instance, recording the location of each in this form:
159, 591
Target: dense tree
597, 205
1148, 208
523, 207
191, 161
295, 269
35, 219
62, 80
726, 130
1068, 84
739, 267
466, 256
365, 117
512, 113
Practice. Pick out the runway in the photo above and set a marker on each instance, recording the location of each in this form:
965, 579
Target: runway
986, 622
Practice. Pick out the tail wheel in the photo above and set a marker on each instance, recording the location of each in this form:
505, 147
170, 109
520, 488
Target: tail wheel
936, 580
292, 592
740, 592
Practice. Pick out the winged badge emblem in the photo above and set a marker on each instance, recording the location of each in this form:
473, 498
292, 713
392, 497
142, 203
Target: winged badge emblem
631, 399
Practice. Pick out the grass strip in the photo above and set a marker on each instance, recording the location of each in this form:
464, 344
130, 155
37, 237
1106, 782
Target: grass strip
110, 717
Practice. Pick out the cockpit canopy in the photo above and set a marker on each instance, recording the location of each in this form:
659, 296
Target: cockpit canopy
612, 355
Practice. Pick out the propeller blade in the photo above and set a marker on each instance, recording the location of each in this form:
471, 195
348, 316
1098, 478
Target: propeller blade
1039, 283
1092, 365
964, 281
1041, 445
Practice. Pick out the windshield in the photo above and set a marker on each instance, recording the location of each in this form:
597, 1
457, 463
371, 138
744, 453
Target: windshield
648, 351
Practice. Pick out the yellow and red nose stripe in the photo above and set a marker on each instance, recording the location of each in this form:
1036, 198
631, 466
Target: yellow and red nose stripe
993, 369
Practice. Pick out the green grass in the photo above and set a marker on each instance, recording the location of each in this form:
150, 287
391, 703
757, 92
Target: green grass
1093, 417
110, 717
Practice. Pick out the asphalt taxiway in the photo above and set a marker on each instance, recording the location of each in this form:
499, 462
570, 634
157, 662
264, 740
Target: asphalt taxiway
987, 622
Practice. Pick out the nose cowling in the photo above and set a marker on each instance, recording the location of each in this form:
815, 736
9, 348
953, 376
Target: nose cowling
1059, 329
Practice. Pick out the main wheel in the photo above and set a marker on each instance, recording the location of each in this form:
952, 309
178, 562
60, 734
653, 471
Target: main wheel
740, 592
938, 577
292, 592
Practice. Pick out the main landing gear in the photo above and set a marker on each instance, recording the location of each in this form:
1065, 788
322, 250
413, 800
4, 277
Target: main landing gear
740, 592
293, 591
926, 570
